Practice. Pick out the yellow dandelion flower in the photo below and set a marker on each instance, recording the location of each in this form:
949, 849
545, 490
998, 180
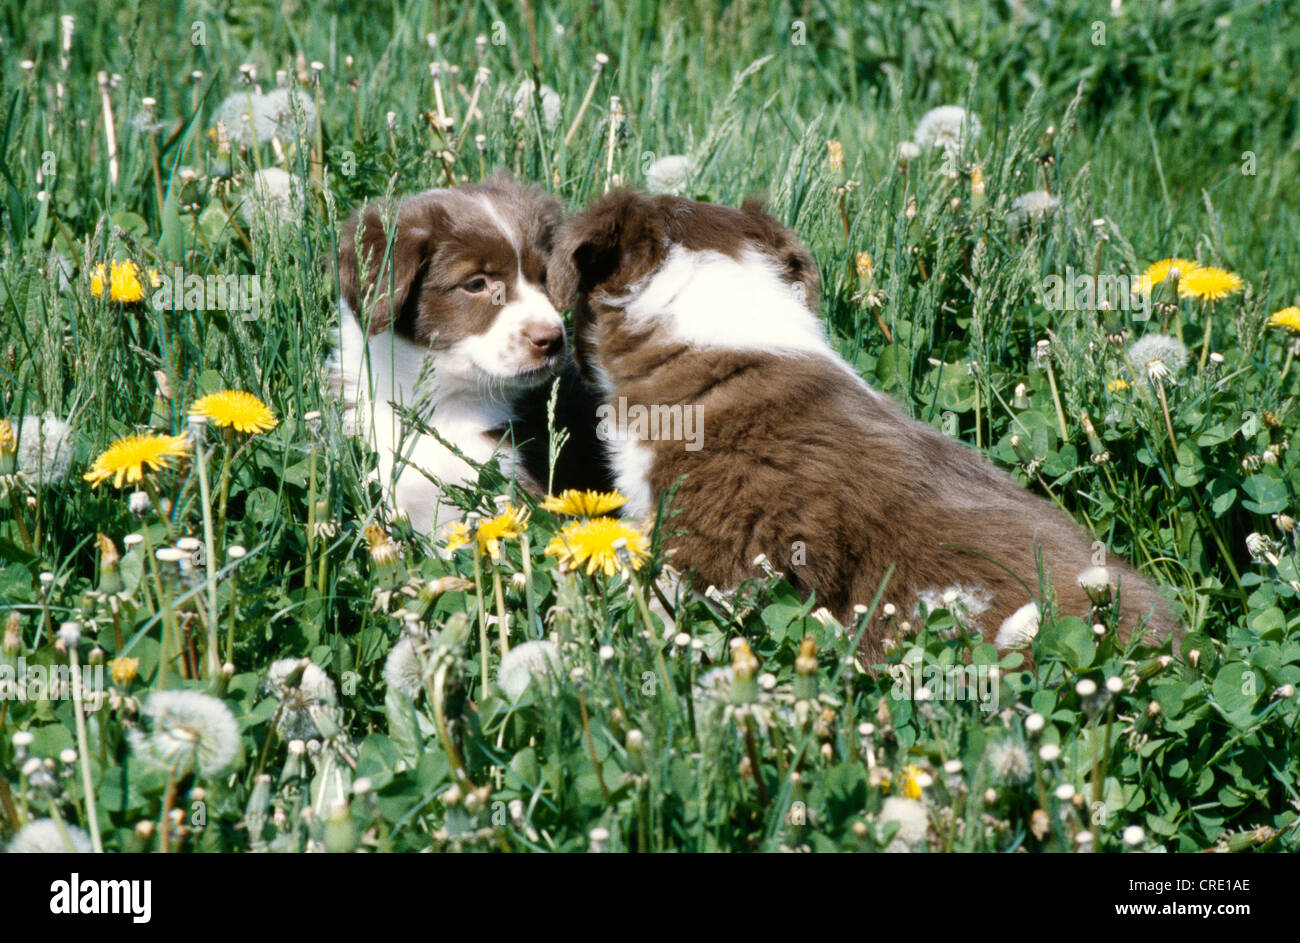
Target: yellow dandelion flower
456, 536
8, 441
1209, 284
1118, 385
1288, 318
835, 156
592, 544
124, 282
508, 525
126, 460
124, 670
241, 411
1159, 271
584, 503
976, 181
911, 786
863, 264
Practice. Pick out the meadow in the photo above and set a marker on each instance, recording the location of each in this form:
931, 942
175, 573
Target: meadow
269, 658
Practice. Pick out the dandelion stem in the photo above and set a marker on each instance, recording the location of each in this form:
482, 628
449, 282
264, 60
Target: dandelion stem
210, 545
311, 514
503, 624
586, 102
83, 751
1056, 400
529, 596
638, 593
1205, 341
482, 621
1164, 406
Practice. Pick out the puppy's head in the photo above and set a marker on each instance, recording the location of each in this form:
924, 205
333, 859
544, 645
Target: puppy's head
461, 271
604, 253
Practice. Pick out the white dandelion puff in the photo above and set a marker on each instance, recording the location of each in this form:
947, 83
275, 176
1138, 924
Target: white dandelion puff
1032, 207
403, 670
908, 151
45, 837
253, 118
1095, 579
300, 705
550, 103
524, 662
1019, 628
948, 126
1010, 761
1158, 357
668, 174
913, 823
44, 449
713, 693
187, 732
274, 195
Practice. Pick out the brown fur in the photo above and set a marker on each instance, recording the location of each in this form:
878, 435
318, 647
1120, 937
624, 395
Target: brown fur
797, 452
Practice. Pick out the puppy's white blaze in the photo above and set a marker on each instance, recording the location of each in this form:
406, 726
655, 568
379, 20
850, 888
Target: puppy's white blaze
510, 232
503, 350
710, 300
1019, 628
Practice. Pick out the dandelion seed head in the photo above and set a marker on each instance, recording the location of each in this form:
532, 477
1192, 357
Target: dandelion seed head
668, 174
1009, 761
523, 663
188, 732
948, 126
1158, 357
913, 823
45, 837
550, 103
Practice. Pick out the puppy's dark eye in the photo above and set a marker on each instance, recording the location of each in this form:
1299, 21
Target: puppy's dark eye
475, 286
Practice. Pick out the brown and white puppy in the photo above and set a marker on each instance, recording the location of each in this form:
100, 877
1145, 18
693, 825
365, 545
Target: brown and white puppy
710, 310
461, 332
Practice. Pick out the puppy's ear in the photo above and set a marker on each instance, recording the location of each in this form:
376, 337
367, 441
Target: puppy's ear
594, 247
796, 264
371, 272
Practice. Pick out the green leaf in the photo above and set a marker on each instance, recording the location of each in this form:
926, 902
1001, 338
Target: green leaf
1268, 494
1236, 688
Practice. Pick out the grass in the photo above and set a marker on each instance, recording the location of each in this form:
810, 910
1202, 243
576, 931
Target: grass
1163, 131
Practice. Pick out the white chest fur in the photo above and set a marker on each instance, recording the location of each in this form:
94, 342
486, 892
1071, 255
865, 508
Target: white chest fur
375, 375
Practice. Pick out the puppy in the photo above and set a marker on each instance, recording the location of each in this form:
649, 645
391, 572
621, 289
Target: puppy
712, 310
459, 330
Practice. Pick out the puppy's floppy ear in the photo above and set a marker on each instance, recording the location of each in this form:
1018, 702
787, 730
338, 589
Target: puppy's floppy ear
796, 264
369, 270
592, 247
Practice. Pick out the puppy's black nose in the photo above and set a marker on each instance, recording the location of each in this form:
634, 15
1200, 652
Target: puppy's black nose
546, 339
